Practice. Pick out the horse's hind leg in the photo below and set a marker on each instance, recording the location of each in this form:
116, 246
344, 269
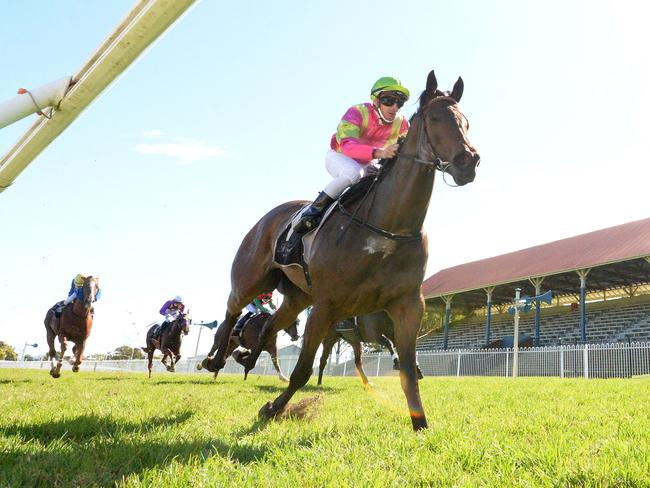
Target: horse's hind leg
317, 326
328, 344
59, 363
52, 352
150, 352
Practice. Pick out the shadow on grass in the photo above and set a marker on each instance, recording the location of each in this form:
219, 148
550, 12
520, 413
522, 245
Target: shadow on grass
10, 382
87, 427
310, 388
108, 462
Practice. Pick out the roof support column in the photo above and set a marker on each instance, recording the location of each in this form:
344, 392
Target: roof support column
445, 339
582, 273
488, 320
538, 291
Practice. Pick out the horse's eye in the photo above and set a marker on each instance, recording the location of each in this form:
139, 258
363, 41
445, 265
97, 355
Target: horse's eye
433, 118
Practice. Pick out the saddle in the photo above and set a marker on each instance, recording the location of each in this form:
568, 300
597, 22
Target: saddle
293, 250
347, 325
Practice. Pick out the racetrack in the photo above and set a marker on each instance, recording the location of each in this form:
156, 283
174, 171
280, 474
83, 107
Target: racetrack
102, 429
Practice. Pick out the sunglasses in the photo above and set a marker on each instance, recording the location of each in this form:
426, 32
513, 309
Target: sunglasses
389, 101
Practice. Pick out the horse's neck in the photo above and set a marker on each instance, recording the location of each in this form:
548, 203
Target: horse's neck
79, 308
402, 197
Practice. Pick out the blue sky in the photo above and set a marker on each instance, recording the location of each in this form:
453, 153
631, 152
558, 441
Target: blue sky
230, 114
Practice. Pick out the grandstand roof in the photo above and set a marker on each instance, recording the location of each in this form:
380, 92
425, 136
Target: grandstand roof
615, 256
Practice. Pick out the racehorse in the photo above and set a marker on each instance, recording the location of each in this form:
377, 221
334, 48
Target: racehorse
169, 342
374, 328
368, 255
74, 325
249, 337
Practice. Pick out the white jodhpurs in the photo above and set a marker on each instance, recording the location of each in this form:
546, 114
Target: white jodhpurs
69, 299
345, 170
251, 308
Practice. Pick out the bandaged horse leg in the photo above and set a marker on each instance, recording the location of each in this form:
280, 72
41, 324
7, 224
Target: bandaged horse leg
276, 365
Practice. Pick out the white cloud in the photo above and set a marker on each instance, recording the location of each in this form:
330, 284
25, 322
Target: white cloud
185, 151
152, 133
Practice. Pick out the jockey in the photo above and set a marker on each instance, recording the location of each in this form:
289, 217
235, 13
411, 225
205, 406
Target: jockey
171, 310
367, 132
253, 308
76, 291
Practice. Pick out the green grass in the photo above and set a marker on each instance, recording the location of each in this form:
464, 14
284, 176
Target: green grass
92, 429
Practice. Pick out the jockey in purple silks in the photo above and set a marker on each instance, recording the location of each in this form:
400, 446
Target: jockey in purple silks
367, 132
171, 310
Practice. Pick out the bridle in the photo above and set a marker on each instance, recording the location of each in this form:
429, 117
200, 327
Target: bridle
435, 162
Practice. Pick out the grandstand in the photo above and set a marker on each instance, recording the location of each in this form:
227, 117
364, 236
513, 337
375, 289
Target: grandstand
600, 283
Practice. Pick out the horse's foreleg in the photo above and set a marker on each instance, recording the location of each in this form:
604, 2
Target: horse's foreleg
407, 315
316, 328
78, 351
216, 359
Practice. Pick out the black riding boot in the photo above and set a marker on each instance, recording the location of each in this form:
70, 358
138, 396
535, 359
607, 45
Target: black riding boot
310, 217
240, 323
158, 332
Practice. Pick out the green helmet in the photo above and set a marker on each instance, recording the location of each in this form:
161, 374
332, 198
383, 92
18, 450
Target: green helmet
388, 83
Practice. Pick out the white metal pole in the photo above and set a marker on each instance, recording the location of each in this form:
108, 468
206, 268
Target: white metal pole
196, 349
32, 101
515, 345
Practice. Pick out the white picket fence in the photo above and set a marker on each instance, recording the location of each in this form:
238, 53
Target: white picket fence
586, 361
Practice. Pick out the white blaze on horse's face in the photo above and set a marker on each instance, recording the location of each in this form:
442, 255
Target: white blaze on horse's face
375, 244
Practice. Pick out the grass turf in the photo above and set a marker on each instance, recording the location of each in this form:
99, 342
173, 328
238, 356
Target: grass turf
96, 429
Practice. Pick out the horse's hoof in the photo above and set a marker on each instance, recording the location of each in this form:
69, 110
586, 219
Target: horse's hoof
172, 370
267, 412
367, 385
75, 369
284, 379
199, 367
55, 374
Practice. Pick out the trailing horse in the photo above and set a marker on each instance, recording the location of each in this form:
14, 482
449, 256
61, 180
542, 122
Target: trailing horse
169, 342
248, 339
374, 328
74, 325
368, 255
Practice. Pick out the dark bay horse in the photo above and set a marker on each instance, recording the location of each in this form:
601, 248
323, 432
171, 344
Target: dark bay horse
74, 325
378, 263
169, 342
374, 328
249, 337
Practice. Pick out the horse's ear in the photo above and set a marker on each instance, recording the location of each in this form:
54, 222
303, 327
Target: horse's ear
457, 92
432, 83
429, 92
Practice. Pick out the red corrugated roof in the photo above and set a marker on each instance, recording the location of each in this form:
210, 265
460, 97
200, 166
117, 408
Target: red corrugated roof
611, 245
